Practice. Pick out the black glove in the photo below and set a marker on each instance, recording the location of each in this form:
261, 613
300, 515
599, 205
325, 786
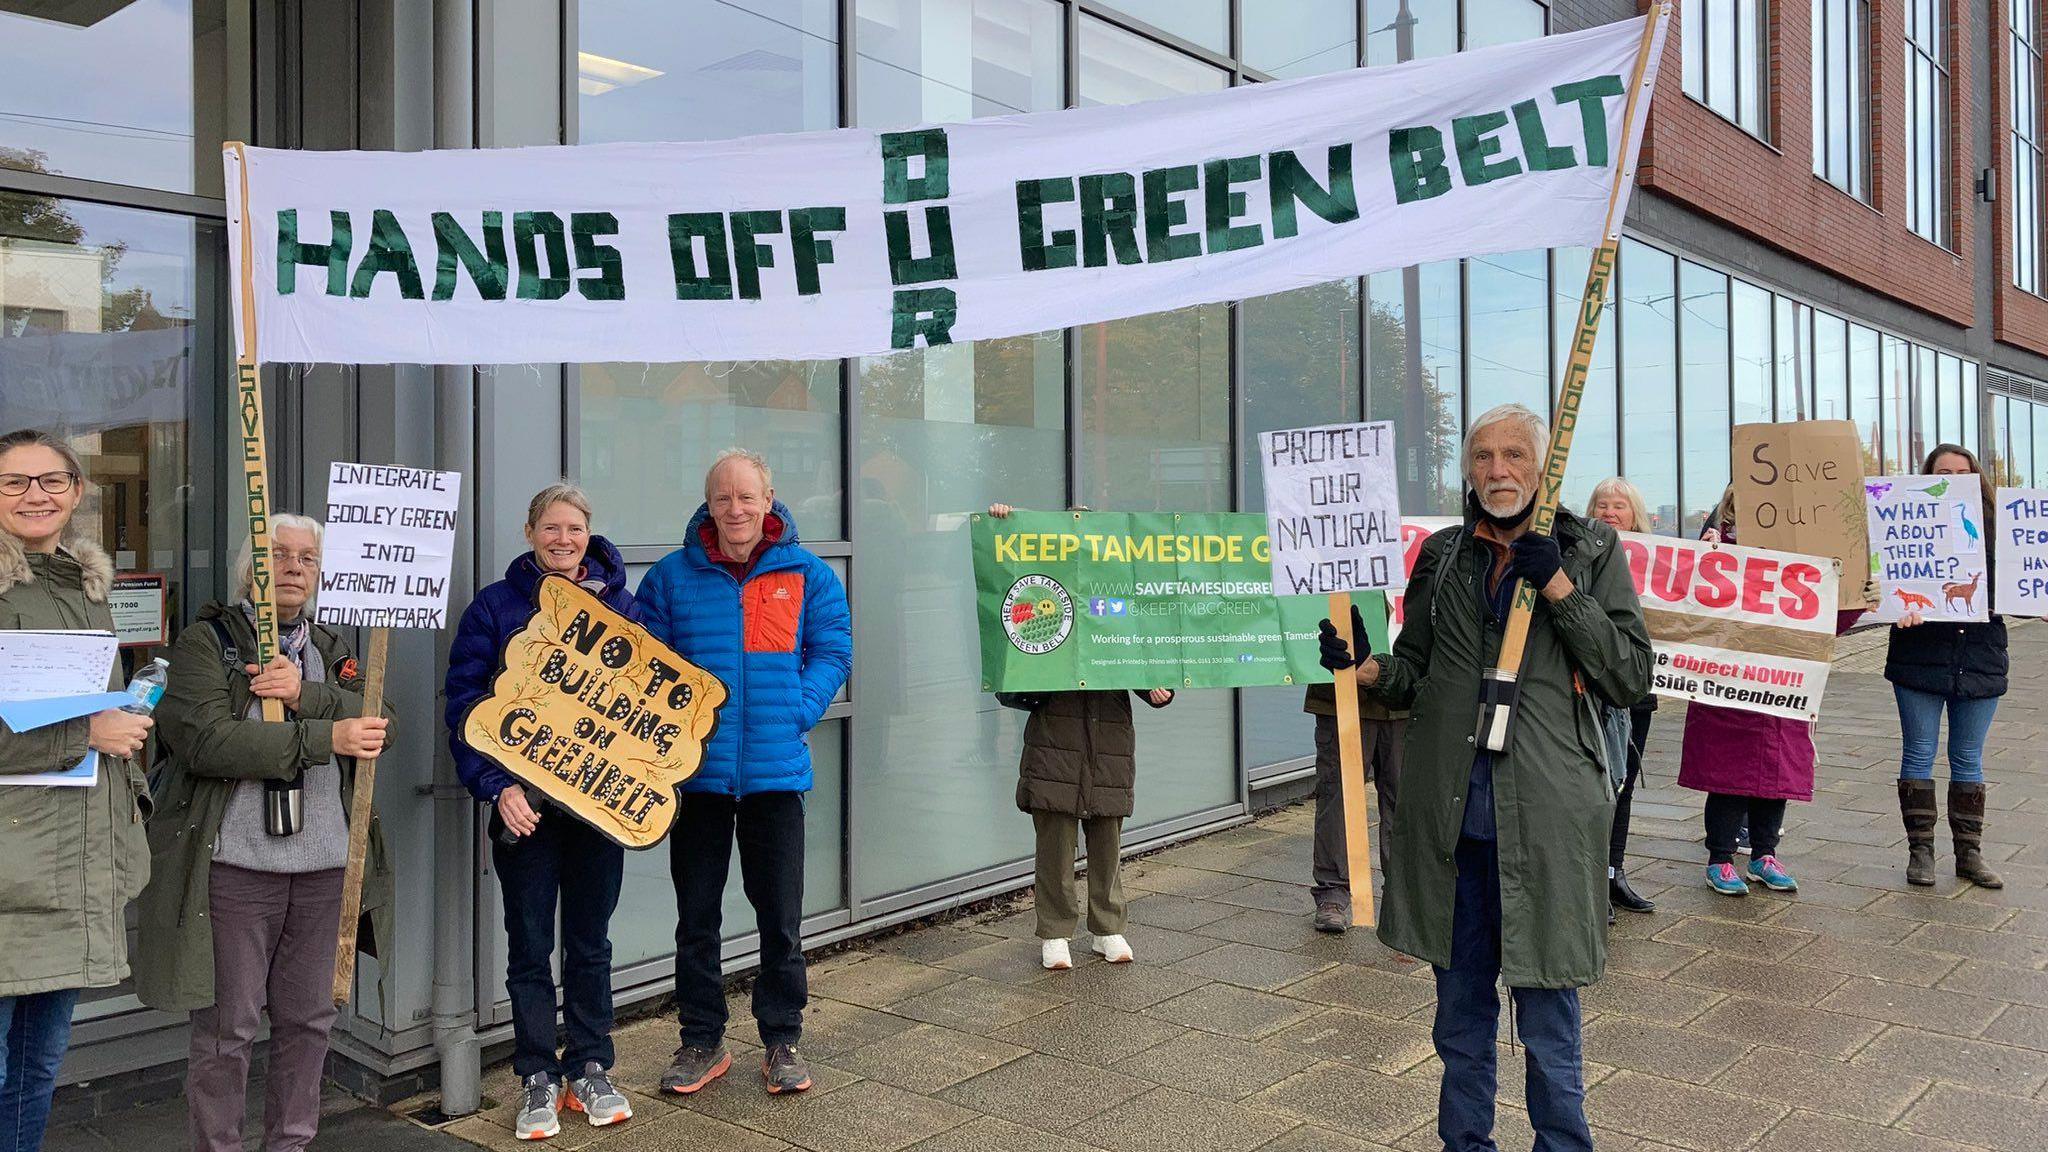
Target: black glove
1335, 656
1535, 559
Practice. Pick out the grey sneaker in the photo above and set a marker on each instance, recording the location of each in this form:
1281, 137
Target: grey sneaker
784, 1070
539, 1117
593, 1095
1332, 917
693, 1068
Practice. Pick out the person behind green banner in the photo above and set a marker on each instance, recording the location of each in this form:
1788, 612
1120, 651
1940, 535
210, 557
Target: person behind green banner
1079, 767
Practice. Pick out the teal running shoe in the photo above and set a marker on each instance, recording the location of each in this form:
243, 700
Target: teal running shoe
1722, 878
1767, 871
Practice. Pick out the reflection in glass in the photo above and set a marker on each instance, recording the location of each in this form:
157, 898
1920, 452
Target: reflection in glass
1926, 419
1841, 94
129, 93
1508, 300
1649, 373
1595, 444
1703, 382
1927, 98
1412, 378
1997, 454
2028, 456
1948, 418
1120, 67
1971, 403
1830, 367
1794, 322
1490, 22
932, 61
1429, 29
1895, 394
1288, 38
1750, 328
2024, 107
1204, 22
1864, 402
733, 68
1725, 58
2040, 423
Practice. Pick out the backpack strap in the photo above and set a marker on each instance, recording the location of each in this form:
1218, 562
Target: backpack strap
229, 654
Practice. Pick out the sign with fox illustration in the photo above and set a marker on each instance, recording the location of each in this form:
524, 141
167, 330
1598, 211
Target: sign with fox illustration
591, 709
1927, 549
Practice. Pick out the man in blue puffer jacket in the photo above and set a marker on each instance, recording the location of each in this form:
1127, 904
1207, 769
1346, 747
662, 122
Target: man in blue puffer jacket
745, 602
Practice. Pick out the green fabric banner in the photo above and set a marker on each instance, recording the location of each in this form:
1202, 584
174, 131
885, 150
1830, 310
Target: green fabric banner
1142, 600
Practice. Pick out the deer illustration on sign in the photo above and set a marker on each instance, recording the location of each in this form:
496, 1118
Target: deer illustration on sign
591, 709
1967, 593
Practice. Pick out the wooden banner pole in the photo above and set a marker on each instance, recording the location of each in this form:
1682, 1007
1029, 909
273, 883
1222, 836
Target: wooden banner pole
359, 825
1351, 768
1497, 692
255, 452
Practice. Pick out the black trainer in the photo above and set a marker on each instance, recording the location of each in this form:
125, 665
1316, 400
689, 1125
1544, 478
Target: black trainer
693, 1068
785, 1070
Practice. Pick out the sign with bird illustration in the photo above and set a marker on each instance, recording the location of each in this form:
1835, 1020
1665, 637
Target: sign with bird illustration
1927, 553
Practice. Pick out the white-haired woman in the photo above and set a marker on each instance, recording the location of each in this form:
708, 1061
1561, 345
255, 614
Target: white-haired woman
242, 916
1618, 503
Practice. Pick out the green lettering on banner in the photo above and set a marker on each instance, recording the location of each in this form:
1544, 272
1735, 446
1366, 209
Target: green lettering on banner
905, 266
1163, 214
810, 249
684, 229
389, 252
486, 268
527, 227
1221, 203
291, 253
898, 148
1474, 136
1591, 97
1288, 182
1537, 150
926, 312
748, 256
1109, 219
610, 281
1417, 156
1032, 247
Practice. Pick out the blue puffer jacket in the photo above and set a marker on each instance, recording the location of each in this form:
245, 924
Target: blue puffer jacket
498, 611
782, 642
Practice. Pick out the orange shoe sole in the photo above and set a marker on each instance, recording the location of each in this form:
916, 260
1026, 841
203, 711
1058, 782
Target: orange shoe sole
718, 1070
774, 1090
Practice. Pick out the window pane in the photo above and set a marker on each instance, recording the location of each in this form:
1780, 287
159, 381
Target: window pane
1508, 337
1430, 28
2028, 454
1489, 22
1723, 57
1206, 22
1703, 341
1692, 35
1595, 454
2040, 422
1300, 37
1751, 322
1427, 424
1649, 376
1300, 368
1997, 460
1948, 399
1970, 405
925, 61
130, 93
1925, 422
1830, 367
1864, 402
1119, 67
943, 432
1795, 359
1895, 366
1753, 64
731, 69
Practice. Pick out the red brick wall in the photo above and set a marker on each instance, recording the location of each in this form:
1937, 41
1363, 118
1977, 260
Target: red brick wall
1769, 191
2018, 317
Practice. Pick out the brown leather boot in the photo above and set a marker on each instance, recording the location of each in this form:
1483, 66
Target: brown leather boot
1916, 806
1966, 824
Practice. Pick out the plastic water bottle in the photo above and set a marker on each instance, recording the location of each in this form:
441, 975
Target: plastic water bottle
148, 687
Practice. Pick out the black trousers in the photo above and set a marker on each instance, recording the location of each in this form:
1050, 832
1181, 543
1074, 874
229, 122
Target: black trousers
564, 863
1624, 800
769, 827
1725, 817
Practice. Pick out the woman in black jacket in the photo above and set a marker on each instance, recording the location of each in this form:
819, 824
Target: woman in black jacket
1958, 668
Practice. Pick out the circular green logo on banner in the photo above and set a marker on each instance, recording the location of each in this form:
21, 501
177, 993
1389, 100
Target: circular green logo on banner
1037, 614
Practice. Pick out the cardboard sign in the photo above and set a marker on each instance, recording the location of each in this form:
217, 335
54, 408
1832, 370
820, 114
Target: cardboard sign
137, 601
591, 709
1740, 627
1332, 509
1799, 488
2021, 550
390, 540
1927, 549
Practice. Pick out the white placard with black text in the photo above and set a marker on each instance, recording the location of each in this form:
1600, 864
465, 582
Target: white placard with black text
390, 540
1333, 511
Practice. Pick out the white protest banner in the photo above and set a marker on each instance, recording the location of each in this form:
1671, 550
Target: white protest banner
1746, 628
1415, 532
390, 540
1332, 511
1927, 547
2022, 552
823, 245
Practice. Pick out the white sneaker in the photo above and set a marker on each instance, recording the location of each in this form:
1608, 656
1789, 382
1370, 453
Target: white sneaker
1114, 949
539, 1115
1055, 954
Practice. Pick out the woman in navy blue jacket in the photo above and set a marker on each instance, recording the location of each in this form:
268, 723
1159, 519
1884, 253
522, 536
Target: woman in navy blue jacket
544, 856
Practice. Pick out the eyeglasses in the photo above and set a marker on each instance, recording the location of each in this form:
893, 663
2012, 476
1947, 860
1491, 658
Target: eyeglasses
55, 483
302, 559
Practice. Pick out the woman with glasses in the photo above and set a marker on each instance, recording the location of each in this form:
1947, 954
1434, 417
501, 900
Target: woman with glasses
243, 914
70, 858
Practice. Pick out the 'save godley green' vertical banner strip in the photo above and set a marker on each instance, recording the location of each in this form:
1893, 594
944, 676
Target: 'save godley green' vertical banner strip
1072, 600
824, 245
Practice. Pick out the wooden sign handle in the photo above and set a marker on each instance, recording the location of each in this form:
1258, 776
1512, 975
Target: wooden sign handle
1351, 769
1498, 687
255, 450
359, 825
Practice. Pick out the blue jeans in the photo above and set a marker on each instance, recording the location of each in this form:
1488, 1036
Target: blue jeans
34, 1031
1467, 1017
1920, 726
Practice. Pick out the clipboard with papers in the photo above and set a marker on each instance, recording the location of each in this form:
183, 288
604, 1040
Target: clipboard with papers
49, 676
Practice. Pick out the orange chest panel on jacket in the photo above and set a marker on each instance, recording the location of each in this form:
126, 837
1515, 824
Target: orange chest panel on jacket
773, 605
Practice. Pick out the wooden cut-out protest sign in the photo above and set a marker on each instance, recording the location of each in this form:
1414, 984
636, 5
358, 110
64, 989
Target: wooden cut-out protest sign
591, 709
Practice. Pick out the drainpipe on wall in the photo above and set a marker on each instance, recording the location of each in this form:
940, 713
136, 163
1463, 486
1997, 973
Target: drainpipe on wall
454, 997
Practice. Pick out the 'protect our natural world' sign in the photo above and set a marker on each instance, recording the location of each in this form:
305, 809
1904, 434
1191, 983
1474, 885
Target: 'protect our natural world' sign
1333, 510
